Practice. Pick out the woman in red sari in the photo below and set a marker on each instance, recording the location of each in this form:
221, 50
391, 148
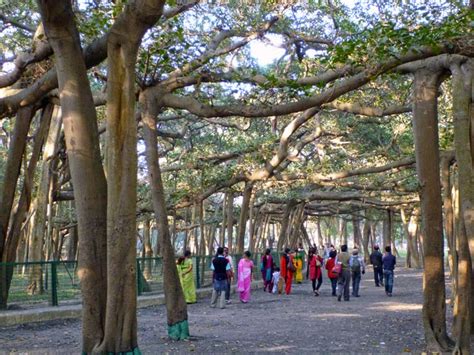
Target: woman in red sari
314, 269
285, 271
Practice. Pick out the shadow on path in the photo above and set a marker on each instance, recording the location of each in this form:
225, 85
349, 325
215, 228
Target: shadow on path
300, 322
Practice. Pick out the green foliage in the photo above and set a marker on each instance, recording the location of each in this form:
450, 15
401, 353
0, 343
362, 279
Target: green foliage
410, 28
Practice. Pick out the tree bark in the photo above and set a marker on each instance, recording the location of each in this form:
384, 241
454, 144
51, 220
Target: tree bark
12, 170
121, 161
462, 76
21, 210
365, 240
320, 233
230, 219
244, 212
357, 232
81, 135
176, 308
283, 237
72, 244
252, 221
223, 224
148, 249
425, 127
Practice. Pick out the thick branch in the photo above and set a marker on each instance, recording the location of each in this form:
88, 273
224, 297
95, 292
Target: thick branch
366, 110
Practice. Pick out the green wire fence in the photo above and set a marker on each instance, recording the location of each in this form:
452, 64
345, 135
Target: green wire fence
39, 283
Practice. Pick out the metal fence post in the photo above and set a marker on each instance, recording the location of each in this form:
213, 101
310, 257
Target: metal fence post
198, 279
54, 283
139, 279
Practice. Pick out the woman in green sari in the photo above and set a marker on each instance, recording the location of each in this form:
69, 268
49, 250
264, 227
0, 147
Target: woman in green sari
185, 271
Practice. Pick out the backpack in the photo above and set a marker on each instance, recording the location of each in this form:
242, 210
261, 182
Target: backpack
355, 264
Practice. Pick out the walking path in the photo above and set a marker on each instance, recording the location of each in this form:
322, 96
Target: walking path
300, 322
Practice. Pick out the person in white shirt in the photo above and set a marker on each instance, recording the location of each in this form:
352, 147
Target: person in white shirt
275, 280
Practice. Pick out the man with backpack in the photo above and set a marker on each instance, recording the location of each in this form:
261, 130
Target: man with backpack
357, 270
344, 279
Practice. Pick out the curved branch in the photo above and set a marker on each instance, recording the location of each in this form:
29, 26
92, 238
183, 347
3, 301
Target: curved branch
366, 110
41, 50
328, 95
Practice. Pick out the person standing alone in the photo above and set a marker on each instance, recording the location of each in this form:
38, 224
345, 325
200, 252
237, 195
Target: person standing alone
388, 261
376, 261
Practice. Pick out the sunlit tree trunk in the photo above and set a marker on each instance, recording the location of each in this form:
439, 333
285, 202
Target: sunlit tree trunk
244, 213
176, 308
230, 220
147, 248
20, 213
357, 232
365, 240
12, 170
462, 76
123, 42
81, 136
425, 127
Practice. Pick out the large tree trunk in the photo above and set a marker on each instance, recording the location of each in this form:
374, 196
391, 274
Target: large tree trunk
81, 135
320, 233
39, 232
20, 214
283, 237
252, 222
194, 242
462, 109
357, 232
342, 231
12, 170
230, 220
365, 240
121, 160
244, 212
72, 244
446, 160
387, 229
296, 221
425, 127
222, 226
410, 227
148, 249
176, 309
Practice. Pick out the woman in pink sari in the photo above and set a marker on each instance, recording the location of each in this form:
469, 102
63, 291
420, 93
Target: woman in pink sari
244, 275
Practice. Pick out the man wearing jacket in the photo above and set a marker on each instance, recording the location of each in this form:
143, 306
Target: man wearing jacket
344, 279
388, 262
376, 261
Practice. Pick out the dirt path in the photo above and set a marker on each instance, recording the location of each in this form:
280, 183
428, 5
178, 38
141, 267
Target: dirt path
297, 323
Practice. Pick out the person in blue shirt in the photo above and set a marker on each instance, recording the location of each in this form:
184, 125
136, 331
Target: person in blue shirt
388, 262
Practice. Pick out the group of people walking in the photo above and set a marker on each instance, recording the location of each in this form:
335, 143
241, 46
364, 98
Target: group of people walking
343, 270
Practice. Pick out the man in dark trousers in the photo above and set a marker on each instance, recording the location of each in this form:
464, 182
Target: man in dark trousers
376, 261
220, 267
388, 261
344, 279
